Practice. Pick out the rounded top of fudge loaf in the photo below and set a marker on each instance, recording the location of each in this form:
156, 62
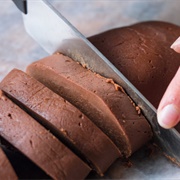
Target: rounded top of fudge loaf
142, 53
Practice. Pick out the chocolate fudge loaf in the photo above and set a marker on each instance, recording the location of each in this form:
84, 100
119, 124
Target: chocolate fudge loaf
103, 101
38, 144
61, 117
6, 170
142, 53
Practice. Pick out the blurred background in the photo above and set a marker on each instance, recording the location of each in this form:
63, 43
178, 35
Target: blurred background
17, 50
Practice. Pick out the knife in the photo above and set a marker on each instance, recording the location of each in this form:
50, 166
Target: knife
56, 34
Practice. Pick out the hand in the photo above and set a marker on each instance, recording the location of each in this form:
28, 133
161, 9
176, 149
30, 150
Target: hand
168, 113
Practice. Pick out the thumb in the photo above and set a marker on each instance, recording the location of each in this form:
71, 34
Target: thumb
176, 45
168, 113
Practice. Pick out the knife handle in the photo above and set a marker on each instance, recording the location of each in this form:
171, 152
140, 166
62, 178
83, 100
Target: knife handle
21, 5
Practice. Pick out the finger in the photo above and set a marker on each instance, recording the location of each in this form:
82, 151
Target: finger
168, 113
176, 45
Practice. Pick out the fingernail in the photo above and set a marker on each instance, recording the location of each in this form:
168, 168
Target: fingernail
168, 116
176, 45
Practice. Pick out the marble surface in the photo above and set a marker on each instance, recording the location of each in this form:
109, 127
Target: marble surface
91, 17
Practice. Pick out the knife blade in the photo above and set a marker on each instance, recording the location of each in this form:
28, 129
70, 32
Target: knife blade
56, 34
21, 5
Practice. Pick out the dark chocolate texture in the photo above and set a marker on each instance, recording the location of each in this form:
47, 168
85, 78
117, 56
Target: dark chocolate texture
99, 98
6, 170
142, 53
38, 144
61, 117
22, 165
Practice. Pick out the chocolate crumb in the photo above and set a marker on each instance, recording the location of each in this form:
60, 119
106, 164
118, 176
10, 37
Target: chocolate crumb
109, 80
138, 110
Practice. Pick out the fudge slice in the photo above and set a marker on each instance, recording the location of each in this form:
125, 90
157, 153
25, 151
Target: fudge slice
38, 144
62, 118
6, 170
103, 101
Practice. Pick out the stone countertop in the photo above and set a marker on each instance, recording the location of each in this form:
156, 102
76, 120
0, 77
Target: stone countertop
91, 17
